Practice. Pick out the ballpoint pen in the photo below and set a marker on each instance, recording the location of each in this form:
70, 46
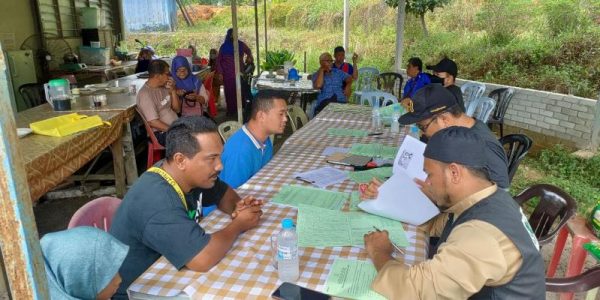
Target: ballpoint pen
393, 244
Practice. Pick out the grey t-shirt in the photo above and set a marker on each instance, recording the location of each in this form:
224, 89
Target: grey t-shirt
153, 222
496, 157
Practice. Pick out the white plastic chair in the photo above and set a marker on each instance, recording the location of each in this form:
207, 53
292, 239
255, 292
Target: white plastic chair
367, 80
472, 91
384, 98
227, 129
481, 108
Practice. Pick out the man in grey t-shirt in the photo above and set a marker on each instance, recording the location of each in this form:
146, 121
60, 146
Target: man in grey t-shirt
157, 100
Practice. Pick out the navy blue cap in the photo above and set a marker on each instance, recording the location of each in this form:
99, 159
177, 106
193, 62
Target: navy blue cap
459, 145
445, 65
428, 101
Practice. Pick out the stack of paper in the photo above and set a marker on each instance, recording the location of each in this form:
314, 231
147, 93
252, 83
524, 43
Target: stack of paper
294, 195
352, 279
382, 174
319, 227
374, 150
322, 177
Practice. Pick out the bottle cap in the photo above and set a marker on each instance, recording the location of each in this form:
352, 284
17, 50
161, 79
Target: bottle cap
287, 223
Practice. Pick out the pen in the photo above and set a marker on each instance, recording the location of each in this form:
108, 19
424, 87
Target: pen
393, 244
305, 180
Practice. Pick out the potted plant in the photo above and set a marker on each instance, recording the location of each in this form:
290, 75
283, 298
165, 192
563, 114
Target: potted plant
275, 60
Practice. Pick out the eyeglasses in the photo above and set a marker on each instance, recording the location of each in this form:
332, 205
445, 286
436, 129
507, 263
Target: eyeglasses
327, 60
424, 127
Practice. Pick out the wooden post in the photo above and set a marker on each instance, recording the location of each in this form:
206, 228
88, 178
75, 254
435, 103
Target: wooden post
400, 34
236, 59
21, 250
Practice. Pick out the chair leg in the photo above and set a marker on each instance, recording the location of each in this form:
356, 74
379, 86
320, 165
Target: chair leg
576, 261
561, 239
501, 130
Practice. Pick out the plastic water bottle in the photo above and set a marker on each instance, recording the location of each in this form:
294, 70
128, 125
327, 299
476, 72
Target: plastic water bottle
414, 131
395, 127
288, 264
376, 117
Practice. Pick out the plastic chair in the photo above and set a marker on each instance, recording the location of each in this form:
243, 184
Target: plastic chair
155, 149
33, 94
472, 91
503, 96
516, 147
130, 70
227, 129
589, 280
367, 80
97, 213
384, 98
481, 108
390, 82
297, 117
554, 204
110, 74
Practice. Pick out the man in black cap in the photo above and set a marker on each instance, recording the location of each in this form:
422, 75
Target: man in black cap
446, 72
486, 249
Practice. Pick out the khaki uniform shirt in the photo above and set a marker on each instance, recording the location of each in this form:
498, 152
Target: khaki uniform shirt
155, 103
476, 254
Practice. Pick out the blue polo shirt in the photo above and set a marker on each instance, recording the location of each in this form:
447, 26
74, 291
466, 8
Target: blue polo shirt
414, 84
243, 157
332, 85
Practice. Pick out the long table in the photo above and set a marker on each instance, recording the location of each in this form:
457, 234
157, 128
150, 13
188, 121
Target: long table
50, 160
246, 272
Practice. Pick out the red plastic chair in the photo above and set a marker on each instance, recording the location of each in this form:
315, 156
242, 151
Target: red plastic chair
212, 102
97, 213
156, 151
576, 284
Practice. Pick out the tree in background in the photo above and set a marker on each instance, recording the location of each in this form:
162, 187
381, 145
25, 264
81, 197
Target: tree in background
419, 8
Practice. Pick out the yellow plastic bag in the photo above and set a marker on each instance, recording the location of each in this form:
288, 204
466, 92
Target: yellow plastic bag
66, 124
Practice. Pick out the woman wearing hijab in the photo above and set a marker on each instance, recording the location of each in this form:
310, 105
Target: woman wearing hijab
82, 263
190, 90
144, 58
226, 67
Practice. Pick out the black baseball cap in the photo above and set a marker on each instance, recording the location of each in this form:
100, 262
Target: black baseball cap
445, 65
459, 145
427, 102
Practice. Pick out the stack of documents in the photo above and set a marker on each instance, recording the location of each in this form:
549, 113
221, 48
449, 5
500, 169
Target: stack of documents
295, 195
322, 177
352, 279
374, 150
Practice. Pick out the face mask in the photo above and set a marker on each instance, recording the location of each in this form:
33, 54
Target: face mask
435, 79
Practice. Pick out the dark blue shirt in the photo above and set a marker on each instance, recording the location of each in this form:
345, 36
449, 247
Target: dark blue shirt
414, 84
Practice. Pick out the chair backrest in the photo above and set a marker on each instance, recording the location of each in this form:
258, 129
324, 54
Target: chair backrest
297, 117
130, 70
472, 91
227, 129
583, 282
110, 74
97, 213
484, 108
33, 94
554, 204
390, 82
384, 98
150, 132
367, 79
503, 96
516, 147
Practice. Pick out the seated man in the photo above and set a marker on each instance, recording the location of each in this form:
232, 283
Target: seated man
250, 148
486, 249
445, 72
418, 79
157, 100
435, 108
330, 81
160, 213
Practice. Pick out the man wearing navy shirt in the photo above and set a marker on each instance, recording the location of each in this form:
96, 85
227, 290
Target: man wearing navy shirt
250, 148
339, 54
418, 79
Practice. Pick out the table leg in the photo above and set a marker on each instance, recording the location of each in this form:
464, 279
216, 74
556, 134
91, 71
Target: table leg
119, 168
129, 148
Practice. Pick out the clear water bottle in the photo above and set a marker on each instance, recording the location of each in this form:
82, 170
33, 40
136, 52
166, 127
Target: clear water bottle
395, 127
414, 131
376, 117
288, 264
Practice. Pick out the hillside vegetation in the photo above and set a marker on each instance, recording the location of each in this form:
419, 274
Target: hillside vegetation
549, 45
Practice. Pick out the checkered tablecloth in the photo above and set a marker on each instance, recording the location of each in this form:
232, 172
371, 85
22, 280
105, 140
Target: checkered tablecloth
246, 271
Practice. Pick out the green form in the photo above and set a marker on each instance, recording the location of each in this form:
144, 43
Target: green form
354, 201
382, 174
319, 227
374, 150
294, 195
347, 132
352, 279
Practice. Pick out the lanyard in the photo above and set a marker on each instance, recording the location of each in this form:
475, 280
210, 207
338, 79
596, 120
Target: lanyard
191, 213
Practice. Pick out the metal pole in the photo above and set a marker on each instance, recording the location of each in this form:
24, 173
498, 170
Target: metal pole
21, 250
257, 62
236, 59
265, 16
400, 34
346, 23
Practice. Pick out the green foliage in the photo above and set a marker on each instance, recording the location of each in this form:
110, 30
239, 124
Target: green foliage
275, 59
420, 7
565, 16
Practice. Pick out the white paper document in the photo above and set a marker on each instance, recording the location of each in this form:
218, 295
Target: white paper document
401, 199
410, 158
322, 177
